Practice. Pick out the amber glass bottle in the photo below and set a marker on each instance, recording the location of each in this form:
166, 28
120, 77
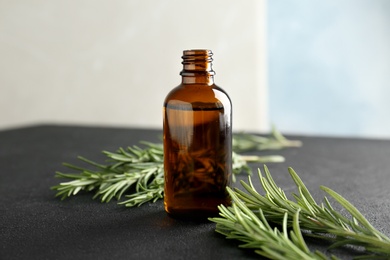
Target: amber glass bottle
197, 141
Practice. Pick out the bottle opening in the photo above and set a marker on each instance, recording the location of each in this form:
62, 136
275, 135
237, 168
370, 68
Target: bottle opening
197, 52
197, 61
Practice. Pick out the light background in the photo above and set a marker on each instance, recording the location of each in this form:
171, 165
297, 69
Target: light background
113, 62
309, 67
329, 67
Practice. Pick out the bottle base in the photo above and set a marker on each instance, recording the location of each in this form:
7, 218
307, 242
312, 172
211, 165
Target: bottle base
199, 215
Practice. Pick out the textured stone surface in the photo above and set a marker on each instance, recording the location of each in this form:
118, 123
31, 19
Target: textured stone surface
35, 225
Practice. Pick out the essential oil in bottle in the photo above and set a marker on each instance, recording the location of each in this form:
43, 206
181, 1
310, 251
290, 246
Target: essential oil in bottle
197, 141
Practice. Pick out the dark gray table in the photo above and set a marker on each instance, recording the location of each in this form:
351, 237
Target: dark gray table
35, 225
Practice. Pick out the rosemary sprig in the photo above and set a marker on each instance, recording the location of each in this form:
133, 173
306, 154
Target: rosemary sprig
321, 221
133, 168
241, 223
276, 141
135, 175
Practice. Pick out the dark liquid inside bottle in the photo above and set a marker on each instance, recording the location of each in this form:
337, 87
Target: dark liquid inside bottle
197, 151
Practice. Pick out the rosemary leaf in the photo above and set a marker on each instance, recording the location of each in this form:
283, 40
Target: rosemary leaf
240, 223
276, 141
134, 175
320, 221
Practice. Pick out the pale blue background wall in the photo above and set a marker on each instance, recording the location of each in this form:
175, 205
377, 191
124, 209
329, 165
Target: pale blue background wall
329, 67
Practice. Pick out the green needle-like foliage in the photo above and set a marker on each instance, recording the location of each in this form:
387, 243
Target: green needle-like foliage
318, 220
135, 175
276, 141
241, 223
134, 169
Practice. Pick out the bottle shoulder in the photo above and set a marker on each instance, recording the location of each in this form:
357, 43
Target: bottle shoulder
192, 93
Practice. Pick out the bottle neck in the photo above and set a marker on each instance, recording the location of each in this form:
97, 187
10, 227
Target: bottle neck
206, 80
197, 67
